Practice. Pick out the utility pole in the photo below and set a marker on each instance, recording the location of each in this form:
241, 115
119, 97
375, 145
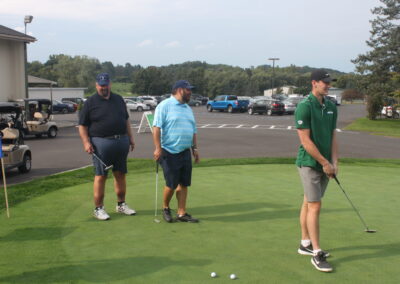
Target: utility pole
273, 73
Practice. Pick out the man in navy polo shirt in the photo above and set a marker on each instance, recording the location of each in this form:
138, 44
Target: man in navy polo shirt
174, 134
105, 131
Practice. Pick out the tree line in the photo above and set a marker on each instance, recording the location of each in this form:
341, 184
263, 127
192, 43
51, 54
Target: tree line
210, 79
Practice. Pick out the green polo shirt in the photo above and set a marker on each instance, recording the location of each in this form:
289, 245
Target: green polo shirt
321, 120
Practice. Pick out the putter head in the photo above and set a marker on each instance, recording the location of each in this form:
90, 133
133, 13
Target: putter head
370, 231
107, 168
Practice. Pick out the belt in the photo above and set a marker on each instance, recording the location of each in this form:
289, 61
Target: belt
118, 136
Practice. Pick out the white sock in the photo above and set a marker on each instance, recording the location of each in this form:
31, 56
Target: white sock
305, 243
316, 251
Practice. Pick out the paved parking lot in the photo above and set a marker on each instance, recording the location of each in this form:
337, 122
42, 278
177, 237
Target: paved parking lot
221, 135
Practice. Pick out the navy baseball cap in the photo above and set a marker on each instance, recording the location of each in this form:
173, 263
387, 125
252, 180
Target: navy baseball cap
322, 75
182, 84
103, 79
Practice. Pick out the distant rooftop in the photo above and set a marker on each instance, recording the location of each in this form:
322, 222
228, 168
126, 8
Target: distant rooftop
10, 34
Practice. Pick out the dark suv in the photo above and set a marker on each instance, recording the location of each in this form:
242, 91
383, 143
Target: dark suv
268, 106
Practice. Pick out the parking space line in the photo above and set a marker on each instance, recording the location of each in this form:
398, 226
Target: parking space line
204, 126
221, 126
239, 126
289, 127
255, 126
272, 127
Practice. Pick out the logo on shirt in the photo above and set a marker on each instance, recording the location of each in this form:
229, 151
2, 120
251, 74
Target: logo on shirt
300, 122
330, 112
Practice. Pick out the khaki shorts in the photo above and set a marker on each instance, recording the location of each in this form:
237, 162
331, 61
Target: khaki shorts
314, 183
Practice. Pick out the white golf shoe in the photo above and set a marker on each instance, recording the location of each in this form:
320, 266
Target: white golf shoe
101, 214
124, 209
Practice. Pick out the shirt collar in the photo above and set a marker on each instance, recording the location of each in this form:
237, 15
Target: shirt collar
175, 101
315, 100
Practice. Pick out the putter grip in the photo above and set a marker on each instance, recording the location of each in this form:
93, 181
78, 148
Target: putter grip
337, 181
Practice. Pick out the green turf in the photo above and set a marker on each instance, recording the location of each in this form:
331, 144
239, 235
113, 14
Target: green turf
387, 127
249, 227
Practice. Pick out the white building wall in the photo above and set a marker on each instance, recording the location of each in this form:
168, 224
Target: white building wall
58, 93
12, 70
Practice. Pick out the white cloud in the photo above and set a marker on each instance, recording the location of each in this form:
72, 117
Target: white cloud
146, 42
172, 44
22, 30
204, 46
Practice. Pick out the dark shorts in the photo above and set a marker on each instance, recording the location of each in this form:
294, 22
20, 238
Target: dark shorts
112, 151
177, 168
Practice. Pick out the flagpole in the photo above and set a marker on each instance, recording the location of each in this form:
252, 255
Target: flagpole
5, 185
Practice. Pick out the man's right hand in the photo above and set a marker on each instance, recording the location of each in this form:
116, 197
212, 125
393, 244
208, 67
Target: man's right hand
88, 147
157, 154
329, 169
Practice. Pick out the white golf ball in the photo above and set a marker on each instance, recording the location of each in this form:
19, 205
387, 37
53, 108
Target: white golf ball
233, 276
213, 274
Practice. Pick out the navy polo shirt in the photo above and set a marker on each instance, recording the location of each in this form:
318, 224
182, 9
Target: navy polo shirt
104, 117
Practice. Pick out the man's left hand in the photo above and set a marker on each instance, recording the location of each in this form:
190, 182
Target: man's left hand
196, 156
131, 143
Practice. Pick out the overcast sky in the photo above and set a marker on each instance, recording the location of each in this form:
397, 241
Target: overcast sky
317, 33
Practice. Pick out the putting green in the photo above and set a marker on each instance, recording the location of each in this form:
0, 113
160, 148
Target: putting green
249, 226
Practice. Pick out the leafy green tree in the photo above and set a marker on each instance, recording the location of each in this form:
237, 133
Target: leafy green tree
382, 62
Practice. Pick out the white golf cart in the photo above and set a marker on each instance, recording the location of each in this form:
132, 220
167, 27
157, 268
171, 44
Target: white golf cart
37, 118
15, 152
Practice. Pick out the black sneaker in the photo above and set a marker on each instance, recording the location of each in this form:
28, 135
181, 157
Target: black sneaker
167, 215
309, 250
187, 218
320, 263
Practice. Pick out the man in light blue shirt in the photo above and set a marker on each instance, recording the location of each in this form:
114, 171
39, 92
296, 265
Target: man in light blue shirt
174, 134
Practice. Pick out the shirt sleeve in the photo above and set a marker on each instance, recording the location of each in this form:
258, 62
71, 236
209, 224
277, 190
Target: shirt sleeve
335, 115
303, 116
158, 116
84, 114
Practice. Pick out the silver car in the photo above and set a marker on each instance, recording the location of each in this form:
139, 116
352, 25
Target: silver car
290, 106
136, 106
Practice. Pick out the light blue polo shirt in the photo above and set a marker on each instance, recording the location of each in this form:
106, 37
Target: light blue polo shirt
177, 125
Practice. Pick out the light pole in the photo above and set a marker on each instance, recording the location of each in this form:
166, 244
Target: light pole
27, 20
273, 74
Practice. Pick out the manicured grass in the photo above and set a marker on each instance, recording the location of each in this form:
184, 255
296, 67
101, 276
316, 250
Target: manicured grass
387, 127
249, 226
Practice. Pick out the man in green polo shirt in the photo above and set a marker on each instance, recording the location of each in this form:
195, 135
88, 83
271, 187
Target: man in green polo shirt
316, 161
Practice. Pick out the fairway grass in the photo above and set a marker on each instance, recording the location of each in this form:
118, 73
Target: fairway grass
385, 127
249, 226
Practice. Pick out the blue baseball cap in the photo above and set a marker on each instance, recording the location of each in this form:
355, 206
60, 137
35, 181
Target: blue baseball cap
103, 79
182, 84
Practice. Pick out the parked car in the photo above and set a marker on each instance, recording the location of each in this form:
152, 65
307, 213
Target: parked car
73, 104
138, 106
62, 107
227, 102
151, 101
332, 99
259, 106
37, 119
200, 98
75, 100
390, 112
290, 105
15, 153
194, 102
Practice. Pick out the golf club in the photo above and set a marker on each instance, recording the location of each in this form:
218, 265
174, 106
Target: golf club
106, 168
367, 230
155, 206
